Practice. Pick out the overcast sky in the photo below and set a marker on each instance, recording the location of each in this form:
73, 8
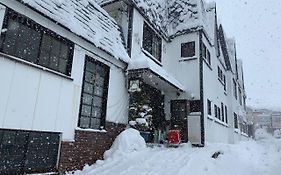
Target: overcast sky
256, 27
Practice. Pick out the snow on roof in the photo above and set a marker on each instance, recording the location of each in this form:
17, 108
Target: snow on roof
87, 19
143, 62
174, 17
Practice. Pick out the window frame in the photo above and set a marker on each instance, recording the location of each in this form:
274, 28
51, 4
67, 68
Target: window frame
32, 26
235, 121
104, 97
153, 42
209, 107
187, 51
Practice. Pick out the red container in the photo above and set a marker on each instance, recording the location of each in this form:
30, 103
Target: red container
174, 136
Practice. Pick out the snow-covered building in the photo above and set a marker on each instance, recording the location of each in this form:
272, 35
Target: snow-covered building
180, 53
72, 72
63, 87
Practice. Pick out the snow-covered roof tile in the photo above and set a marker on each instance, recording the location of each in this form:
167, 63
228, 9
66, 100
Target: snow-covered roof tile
173, 17
86, 19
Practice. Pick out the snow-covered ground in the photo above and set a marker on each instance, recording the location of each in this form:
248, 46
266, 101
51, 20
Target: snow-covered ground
130, 156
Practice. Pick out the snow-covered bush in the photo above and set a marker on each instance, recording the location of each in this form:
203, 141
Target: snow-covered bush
277, 133
261, 133
140, 112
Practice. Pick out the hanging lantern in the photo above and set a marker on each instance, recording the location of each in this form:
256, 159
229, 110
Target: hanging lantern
134, 85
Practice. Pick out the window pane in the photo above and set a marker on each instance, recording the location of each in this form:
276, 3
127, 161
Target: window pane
99, 81
44, 58
62, 65
90, 77
54, 62
97, 101
11, 36
98, 91
88, 88
55, 48
86, 110
90, 66
46, 42
64, 51
87, 99
84, 122
95, 123
96, 112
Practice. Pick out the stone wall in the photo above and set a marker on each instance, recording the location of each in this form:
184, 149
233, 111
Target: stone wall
87, 148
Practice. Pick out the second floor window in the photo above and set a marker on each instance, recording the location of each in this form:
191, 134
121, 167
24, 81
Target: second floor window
188, 49
235, 89
235, 121
23, 38
151, 42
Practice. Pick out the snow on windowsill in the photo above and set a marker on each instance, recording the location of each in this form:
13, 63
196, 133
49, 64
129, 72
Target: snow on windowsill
236, 130
221, 122
187, 58
210, 117
207, 63
91, 130
151, 56
244, 134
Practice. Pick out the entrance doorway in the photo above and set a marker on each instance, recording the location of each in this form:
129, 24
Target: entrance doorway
179, 111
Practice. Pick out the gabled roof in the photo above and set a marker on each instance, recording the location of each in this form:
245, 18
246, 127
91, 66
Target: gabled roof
173, 17
86, 19
224, 47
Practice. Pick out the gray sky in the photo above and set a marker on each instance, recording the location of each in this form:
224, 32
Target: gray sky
256, 27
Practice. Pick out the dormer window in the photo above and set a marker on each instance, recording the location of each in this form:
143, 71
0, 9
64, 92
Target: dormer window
188, 49
151, 42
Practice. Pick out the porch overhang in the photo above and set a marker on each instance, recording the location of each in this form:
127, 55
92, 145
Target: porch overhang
153, 75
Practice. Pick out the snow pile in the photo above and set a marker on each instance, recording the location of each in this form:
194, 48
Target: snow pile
247, 158
127, 142
87, 19
261, 133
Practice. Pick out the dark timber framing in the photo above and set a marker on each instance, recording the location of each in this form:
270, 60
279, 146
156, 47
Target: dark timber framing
201, 89
130, 33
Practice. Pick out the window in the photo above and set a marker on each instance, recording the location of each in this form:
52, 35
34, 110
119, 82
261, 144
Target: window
208, 57
225, 112
235, 89
25, 152
25, 39
195, 106
209, 104
206, 54
224, 81
94, 95
240, 96
222, 112
188, 49
151, 42
219, 113
216, 111
235, 121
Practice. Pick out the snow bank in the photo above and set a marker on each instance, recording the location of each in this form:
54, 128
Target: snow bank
127, 142
261, 157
